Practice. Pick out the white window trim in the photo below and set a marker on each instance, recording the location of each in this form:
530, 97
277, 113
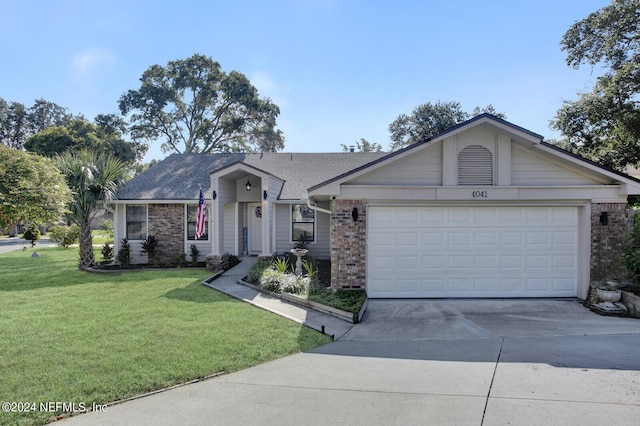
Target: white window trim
126, 232
186, 224
315, 224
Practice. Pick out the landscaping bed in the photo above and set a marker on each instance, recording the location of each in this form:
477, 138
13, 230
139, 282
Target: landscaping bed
310, 289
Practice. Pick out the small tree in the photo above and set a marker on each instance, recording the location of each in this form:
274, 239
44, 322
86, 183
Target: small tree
124, 254
195, 253
32, 233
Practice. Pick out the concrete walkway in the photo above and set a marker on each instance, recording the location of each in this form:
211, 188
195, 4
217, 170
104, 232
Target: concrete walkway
228, 284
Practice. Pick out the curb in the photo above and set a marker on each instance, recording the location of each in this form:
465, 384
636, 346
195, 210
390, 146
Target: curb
351, 317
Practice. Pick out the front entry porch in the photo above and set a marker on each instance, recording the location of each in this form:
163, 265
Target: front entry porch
243, 212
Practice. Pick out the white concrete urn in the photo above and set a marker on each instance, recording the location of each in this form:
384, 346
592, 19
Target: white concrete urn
608, 295
299, 253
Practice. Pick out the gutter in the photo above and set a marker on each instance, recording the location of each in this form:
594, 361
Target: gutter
316, 208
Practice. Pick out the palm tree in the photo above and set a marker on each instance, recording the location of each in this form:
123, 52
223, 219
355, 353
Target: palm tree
93, 179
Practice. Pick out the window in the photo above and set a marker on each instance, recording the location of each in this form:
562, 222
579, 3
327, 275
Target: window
475, 166
303, 221
192, 215
136, 222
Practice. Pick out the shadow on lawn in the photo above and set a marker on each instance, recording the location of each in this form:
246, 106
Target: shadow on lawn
195, 293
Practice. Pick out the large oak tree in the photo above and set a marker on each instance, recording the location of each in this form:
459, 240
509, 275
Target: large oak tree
192, 106
18, 123
105, 136
428, 120
604, 124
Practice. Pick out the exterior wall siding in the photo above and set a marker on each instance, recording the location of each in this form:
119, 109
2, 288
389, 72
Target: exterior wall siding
607, 241
422, 168
529, 170
318, 249
348, 245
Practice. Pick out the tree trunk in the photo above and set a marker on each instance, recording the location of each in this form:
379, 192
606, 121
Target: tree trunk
86, 246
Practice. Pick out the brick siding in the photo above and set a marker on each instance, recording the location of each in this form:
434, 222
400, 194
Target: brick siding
348, 245
166, 223
607, 240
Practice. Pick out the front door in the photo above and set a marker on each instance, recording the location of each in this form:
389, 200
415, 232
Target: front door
255, 228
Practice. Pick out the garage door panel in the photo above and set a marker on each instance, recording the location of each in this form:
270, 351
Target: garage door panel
486, 239
435, 239
472, 252
511, 238
459, 239
489, 262
406, 239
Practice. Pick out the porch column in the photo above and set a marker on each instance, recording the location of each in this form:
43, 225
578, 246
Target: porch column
266, 221
217, 216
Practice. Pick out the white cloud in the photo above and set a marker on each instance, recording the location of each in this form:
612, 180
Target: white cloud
268, 88
89, 61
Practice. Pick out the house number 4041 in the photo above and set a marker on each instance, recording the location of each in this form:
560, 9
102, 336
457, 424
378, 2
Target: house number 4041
479, 194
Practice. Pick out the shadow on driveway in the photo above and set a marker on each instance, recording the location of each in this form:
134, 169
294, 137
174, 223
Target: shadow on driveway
560, 333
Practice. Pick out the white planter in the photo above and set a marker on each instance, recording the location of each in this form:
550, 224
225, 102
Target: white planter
608, 296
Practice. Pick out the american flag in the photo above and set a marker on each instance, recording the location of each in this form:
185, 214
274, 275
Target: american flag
202, 216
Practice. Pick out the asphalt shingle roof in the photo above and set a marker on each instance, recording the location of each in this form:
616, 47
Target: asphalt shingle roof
177, 177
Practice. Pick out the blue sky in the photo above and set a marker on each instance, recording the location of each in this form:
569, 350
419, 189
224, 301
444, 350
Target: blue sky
339, 70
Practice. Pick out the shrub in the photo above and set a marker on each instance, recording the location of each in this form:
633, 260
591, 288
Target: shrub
124, 254
150, 247
179, 260
281, 265
631, 249
65, 236
254, 274
278, 282
32, 233
107, 253
232, 261
311, 270
195, 253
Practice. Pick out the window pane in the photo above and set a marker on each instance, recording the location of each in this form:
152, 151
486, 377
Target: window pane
300, 229
302, 213
136, 222
192, 217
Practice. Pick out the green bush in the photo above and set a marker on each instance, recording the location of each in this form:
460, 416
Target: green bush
32, 233
150, 248
107, 253
281, 265
257, 270
631, 249
195, 253
64, 236
124, 254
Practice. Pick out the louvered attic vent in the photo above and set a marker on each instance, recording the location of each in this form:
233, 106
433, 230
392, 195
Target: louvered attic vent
475, 166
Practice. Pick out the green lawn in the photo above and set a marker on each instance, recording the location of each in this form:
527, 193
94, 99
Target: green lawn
71, 336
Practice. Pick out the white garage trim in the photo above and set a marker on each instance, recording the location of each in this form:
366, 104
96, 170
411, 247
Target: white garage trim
472, 251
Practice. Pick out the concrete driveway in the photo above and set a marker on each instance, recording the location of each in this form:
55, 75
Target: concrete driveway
427, 362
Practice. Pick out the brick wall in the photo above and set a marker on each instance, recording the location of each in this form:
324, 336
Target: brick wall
166, 223
606, 241
348, 245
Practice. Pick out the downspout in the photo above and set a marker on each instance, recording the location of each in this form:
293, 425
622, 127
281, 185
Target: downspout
316, 208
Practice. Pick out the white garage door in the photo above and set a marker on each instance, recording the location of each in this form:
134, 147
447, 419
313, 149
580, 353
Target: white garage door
472, 252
